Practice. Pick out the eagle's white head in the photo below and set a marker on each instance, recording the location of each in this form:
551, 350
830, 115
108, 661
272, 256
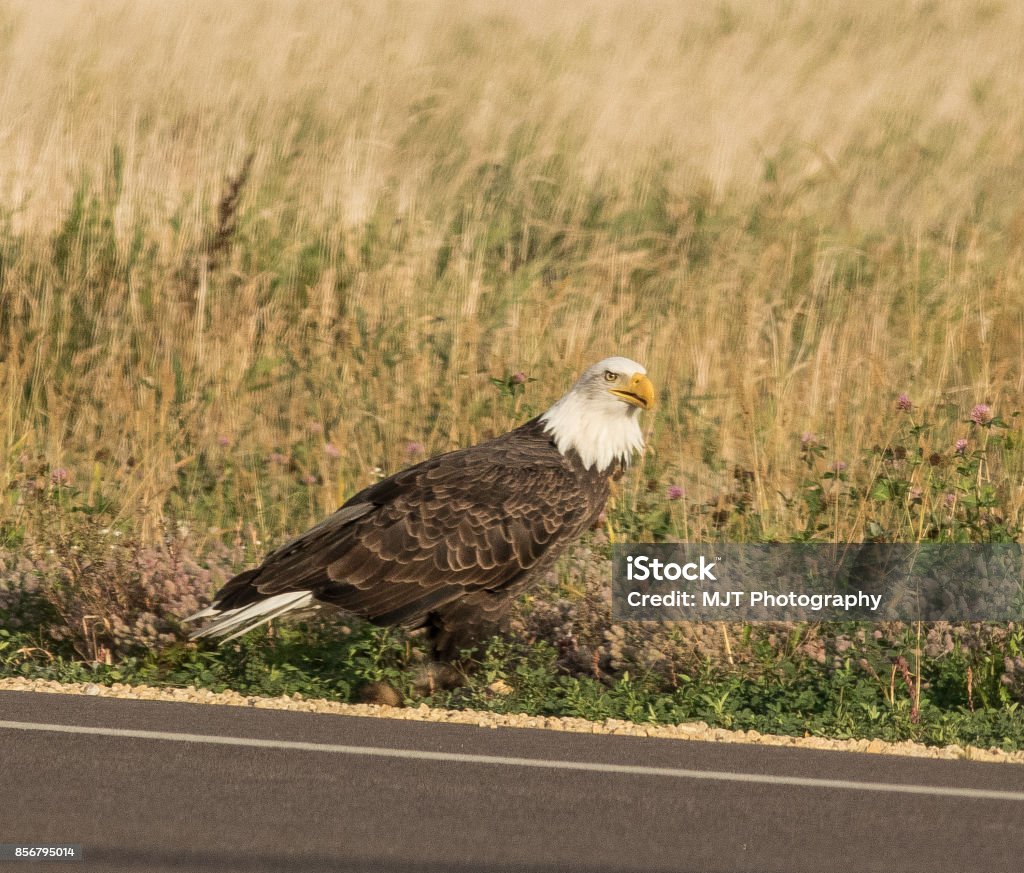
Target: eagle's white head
599, 417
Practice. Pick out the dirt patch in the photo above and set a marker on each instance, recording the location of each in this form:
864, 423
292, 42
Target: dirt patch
688, 731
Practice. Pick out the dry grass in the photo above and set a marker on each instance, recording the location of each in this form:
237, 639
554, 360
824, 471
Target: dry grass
790, 212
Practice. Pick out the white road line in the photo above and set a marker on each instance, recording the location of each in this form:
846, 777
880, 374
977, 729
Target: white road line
539, 763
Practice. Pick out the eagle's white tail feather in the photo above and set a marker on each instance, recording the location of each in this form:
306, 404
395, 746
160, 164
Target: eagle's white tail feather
242, 620
204, 613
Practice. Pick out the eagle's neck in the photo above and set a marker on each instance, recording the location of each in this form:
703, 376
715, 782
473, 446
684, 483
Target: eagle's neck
600, 434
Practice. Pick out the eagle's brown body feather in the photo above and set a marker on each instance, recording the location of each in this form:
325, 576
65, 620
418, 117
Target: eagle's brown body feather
446, 544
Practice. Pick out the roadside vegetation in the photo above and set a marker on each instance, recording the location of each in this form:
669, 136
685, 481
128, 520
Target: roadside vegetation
254, 257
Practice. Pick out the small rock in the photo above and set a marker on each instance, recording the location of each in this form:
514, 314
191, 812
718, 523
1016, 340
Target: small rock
381, 694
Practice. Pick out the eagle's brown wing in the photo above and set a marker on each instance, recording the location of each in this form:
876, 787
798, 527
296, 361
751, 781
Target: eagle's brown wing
477, 520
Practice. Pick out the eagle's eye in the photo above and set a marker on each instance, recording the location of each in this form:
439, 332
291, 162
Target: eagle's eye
609, 376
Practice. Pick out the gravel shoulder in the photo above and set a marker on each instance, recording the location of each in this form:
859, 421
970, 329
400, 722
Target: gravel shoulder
687, 731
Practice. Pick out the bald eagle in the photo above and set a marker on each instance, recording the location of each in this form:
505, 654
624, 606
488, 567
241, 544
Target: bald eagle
448, 544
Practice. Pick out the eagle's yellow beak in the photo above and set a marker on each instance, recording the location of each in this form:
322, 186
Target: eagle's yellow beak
639, 393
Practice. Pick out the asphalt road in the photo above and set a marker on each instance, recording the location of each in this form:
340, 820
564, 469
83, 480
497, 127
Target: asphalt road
152, 786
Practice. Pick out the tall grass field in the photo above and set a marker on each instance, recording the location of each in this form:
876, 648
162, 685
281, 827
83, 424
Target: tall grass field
256, 255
